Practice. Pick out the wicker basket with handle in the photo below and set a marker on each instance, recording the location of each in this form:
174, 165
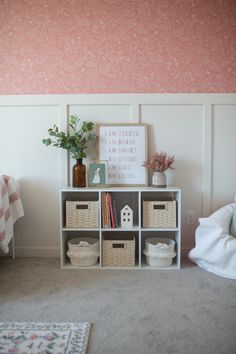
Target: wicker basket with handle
119, 253
159, 213
81, 214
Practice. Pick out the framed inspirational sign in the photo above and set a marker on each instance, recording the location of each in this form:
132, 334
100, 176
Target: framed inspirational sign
124, 146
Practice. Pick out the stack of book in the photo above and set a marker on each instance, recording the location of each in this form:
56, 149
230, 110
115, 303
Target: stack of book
109, 213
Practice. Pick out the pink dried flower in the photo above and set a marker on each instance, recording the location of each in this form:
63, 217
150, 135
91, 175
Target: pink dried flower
159, 162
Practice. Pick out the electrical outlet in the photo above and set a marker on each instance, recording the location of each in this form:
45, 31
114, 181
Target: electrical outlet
190, 218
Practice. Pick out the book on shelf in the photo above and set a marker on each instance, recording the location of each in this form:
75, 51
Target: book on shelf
111, 210
109, 213
104, 210
115, 212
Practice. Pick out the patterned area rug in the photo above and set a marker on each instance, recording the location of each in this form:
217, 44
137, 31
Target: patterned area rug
44, 337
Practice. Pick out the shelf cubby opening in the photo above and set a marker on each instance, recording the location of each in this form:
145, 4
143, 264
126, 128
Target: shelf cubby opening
159, 210
80, 210
124, 245
159, 236
81, 236
119, 200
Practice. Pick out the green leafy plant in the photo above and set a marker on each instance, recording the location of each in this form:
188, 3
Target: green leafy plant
75, 141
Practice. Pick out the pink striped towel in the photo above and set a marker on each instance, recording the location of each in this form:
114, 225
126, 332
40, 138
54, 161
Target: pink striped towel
11, 209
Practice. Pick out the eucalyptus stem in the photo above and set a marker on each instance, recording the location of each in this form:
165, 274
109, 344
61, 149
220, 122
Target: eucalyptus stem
75, 140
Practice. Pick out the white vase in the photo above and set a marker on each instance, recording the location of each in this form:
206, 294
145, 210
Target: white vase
159, 179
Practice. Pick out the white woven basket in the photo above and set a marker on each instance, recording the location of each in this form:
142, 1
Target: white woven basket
119, 253
83, 256
159, 213
157, 256
81, 214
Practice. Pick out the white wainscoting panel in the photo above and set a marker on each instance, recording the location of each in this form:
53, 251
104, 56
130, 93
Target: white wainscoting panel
36, 169
177, 129
99, 113
224, 155
103, 113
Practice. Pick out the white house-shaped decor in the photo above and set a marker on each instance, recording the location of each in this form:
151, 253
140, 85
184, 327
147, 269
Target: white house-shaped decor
126, 217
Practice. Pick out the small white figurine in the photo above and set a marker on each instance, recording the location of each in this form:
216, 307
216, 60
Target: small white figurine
126, 217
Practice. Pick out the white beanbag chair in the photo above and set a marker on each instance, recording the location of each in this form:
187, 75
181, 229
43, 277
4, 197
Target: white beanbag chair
215, 248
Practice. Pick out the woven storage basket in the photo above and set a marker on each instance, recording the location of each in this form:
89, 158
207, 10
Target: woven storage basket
159, 213
119, 253
83, 256
81, 214
156, 255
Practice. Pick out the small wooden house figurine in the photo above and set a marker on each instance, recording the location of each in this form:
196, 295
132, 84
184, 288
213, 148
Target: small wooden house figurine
126, 217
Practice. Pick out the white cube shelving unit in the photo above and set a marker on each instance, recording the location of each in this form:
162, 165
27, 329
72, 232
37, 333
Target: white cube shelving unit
134, 197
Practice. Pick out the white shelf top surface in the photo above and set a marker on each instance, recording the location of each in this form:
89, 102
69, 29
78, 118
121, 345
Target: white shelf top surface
121, 189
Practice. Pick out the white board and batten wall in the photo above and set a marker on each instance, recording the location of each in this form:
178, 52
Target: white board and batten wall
199, 129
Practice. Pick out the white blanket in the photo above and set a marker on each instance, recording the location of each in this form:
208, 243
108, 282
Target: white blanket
215, 248
11, 209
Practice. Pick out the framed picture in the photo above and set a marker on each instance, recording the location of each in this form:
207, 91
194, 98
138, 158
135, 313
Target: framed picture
124, 146
97, 174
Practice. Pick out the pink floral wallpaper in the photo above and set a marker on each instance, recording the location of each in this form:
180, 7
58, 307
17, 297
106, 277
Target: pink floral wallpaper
117, 46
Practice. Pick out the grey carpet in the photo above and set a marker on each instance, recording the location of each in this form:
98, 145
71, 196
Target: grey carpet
132, 312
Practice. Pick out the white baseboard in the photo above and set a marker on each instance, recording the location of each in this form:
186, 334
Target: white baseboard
42, 252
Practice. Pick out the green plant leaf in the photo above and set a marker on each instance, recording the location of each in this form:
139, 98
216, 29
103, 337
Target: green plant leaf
75, 141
